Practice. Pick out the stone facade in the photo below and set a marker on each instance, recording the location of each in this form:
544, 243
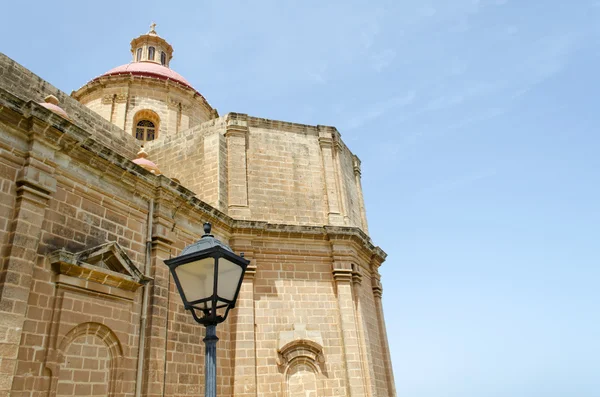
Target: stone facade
273, 171
88, 306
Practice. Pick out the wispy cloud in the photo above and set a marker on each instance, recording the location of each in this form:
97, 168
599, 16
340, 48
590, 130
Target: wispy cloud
382, 59
477, 118
470, 92
318, 73
378, 109
549, 59
371, 26
427, 11
456, 183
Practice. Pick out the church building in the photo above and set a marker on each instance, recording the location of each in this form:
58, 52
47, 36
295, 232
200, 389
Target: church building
98, 188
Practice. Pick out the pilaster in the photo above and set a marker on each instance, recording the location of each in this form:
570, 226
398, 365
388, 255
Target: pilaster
361, 200
334, 215
341, 182
342, 275
244, 339
366, 359
377, 294
214, 189
236, 135
35, 186
156, 331
173, 118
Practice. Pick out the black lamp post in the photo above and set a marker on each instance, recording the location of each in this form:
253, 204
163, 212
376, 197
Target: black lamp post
208, 276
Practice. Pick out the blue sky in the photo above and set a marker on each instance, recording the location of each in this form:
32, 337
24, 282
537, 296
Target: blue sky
478, 131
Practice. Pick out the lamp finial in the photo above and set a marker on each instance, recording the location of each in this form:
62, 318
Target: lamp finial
207, 227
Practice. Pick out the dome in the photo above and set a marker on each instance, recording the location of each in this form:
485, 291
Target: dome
128, 94
149, 69
51, 103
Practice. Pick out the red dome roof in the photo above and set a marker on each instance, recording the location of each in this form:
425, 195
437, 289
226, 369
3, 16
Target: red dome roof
56, 109
149, 69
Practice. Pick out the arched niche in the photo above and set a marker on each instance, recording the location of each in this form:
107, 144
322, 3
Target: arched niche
86, 362
300, 359
301, 379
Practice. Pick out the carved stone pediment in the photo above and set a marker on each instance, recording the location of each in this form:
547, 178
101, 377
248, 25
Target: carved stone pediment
106, 264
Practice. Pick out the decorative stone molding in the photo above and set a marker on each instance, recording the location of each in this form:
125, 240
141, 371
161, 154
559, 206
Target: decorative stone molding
342, 275
174, 103
300, 344
106, 264
376, 285
325, 142
250, 271
356, 165
118, 98
356, 276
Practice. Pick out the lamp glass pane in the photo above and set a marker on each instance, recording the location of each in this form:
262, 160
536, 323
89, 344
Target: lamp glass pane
229, 278
197, 278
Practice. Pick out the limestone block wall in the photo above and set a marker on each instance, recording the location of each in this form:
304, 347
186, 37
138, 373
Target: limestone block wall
69, 333
285, 177
265, 170
45, 318
197, 158
292, 292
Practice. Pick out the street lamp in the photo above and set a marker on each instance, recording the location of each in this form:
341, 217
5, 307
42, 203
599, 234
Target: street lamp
208, 276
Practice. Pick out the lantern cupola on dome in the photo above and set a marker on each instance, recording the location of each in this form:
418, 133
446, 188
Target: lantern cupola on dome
150, 47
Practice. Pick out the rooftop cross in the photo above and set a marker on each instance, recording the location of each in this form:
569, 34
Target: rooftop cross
152, 27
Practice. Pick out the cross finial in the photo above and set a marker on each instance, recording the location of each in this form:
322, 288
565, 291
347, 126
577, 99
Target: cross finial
152, 27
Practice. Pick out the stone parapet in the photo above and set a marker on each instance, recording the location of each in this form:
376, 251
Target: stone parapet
25, 85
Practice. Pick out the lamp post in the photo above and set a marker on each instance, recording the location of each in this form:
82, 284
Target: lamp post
208, 275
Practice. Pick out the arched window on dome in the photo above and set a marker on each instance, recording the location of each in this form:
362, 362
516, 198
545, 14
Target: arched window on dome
145, 125
145, 130
138, 56
151, 53
163, 58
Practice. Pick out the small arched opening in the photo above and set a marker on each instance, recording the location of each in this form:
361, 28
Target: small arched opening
146, 124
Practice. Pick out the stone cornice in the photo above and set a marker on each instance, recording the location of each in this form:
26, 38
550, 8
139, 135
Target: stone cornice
30, 117
104, 82
67, 137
